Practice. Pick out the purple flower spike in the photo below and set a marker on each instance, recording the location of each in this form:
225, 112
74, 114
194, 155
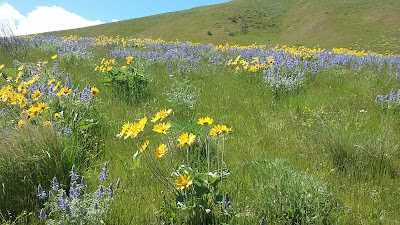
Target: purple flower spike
73, 174
41, 193
42, 214
55, 185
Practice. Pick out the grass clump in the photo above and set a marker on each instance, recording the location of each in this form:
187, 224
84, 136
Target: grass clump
290, 197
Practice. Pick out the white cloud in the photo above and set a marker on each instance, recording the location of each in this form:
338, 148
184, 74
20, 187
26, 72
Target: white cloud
41, 19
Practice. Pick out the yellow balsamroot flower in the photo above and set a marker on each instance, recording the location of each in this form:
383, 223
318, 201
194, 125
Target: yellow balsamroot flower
162, 128
64, 91
1, 66
94, 91
46, 123
42, 106
129, 60
36, 95
124, 129
255, 60
237, 69
57, 115
205, 121
187, 139
161, 115
271, 61
20, 68
161, 150
54, 57
132, 129
220, 129
144, 146
21, 123
52, 80
142, 123
183, 181
57, 85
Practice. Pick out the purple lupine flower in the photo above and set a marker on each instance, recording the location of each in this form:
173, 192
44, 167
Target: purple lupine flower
68, 81
55, 185
86, 94
100, 192
392, 96
74, 190
63, 203
170, 67
110, 191
42, 214
104, 173
41, 192
73, 174
227, 201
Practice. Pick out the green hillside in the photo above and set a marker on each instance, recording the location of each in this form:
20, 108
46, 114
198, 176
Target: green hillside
358, 24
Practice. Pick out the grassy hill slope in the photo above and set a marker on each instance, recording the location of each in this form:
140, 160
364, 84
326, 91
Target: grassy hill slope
359, 24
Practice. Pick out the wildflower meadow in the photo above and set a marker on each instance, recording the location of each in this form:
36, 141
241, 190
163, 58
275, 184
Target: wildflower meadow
114, 130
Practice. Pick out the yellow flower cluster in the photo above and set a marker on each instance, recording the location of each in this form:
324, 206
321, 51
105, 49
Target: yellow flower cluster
220, 130
132, 129
185, 139
350, 52
252, 67
12, 97
35, 110
301, 51
105, 65
129, 60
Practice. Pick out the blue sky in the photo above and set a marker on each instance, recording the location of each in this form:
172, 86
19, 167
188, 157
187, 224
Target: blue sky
33, 16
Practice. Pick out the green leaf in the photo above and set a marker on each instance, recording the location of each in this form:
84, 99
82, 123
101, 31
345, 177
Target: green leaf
200, 189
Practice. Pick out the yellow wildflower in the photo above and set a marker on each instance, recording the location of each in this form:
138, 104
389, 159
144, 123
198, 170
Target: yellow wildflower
220, 129
57, 115
64, 91
1, 66
129, 60
21, 123
57, 85
205, 121
36, 95
187, 139
94, 91
144, 146
161, 115
50, 81
183, 181
161, 150
162, 128
46, 123
54, 57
